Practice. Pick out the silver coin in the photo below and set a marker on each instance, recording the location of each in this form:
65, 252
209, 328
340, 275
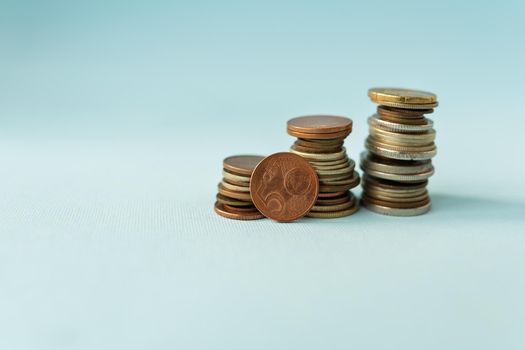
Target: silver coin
401, 154
400, 167
401, 178
376, 121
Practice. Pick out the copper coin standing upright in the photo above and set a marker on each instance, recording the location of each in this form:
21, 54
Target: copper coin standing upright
284, 187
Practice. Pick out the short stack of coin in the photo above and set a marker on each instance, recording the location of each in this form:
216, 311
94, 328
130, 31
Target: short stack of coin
400, 147
320, 140
234, 200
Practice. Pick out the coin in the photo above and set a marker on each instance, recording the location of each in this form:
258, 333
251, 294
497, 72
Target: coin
375, 122
349, 203
333, 201
401, 96
322, 156
386, 151
406, 114
323, 136
284, 186
320, 124
394, 166
396, 211
228, 213
332, 194
243, 196
236, 188
320, 144
242, 164
232, 201
299, 148
410, 106
334, 215
407, 204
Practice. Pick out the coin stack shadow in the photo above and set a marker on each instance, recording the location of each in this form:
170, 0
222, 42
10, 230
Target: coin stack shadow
400, 147
320, 140
234, 200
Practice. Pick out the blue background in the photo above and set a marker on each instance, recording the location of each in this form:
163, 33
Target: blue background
115, 118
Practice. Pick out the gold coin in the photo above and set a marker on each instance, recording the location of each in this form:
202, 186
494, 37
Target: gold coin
236, 188
352, 180
316, 163
348, 163
402, 96
243, 196
236, 179
341, 171
322, 156
334, 215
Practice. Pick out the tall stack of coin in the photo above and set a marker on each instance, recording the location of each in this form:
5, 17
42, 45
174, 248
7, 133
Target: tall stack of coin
400, 147
320, 140
234, 200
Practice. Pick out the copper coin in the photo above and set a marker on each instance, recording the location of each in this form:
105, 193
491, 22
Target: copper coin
320, 124
403, 112
324, 136
227, 213
241, 165
235, 209
333, 201
284, 186
315, 150
397, 205
320, 143
232, 201
332, 194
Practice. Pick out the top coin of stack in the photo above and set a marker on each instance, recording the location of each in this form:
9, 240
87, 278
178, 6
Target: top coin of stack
234, 200
400, 146
320, 140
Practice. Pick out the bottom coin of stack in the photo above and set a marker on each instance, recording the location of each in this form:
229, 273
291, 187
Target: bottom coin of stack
400, 147
234, 200
320, 140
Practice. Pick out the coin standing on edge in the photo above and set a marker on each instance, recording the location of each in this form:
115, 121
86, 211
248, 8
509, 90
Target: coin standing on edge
284, 187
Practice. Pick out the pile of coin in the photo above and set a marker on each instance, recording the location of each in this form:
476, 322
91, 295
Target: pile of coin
320, 140
400, 147
234, 200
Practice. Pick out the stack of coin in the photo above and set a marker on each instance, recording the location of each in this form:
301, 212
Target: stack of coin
234, 200
320, 140
400, 147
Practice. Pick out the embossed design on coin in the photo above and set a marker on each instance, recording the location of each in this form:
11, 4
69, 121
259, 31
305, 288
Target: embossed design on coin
284, 186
